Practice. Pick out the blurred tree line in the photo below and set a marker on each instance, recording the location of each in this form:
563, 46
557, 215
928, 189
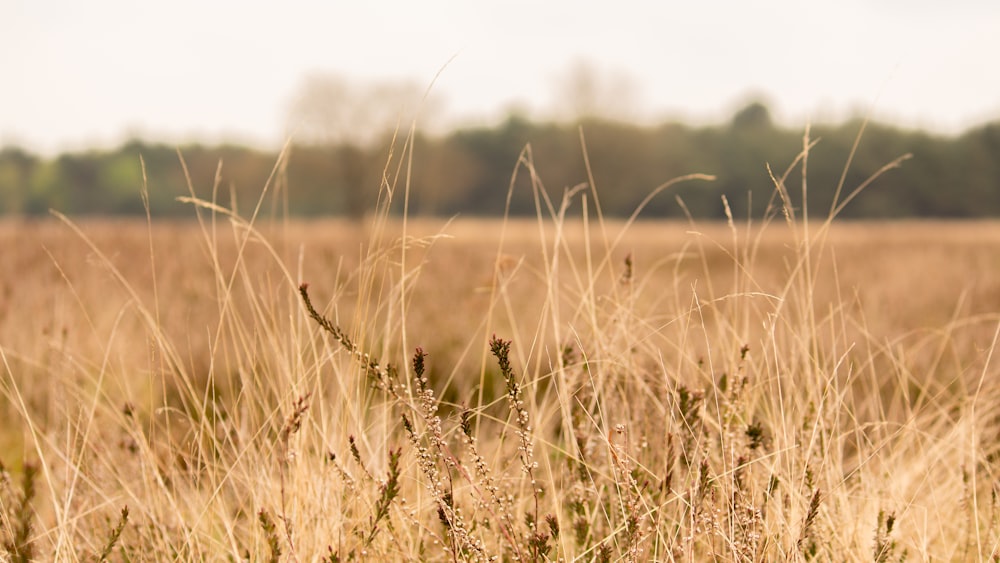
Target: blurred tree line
469, 170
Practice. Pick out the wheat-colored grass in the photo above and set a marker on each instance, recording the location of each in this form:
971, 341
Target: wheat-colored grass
585, 389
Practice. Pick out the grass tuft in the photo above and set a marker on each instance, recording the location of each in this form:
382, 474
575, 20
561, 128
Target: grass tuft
114, 536
18, 523
662, 392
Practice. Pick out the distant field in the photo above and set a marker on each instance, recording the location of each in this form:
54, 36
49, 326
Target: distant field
900, 276
694, 390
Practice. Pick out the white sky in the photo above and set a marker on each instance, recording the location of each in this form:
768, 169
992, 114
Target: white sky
74, 74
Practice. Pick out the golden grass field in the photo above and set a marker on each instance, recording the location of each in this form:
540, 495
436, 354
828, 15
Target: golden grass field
479, 389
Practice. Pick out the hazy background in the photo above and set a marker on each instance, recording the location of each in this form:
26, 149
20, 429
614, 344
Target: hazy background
77, 74
88, 87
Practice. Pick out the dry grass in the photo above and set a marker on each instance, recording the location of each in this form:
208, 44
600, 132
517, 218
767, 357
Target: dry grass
560, 388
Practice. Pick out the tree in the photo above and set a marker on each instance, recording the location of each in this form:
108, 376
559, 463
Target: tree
753, 117
587, 92
350, 119
16, 167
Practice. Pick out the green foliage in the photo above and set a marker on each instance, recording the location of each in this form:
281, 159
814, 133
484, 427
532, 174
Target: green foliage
469, 171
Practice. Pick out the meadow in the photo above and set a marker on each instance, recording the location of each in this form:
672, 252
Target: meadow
568, 387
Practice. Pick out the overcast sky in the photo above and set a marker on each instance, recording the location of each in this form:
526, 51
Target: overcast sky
74, 74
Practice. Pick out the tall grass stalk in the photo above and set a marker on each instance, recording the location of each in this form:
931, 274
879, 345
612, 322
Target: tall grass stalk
632, 406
